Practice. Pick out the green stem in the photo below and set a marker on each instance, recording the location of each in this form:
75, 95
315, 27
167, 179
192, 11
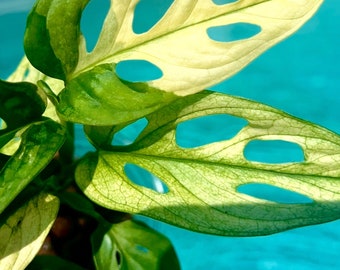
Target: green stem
48, 92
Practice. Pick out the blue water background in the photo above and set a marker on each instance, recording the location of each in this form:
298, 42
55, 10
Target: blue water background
300, 76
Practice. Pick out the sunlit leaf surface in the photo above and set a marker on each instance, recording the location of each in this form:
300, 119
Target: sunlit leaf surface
23, 233
179, 43
203, 182
195, 45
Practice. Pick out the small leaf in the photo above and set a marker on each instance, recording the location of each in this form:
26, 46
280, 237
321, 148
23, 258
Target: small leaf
63, 24
99, 97
21, 104
132, 245
203, 181
23, 233
52, 36
39, 143
37, 43
5, 138
80, 203
26, 72
50, 262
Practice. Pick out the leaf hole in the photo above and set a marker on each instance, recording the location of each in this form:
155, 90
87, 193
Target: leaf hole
223, 2
208, 129
82, 144
142, 249
273, 151
26, 73
148, 13
144, 178
92, 20
129, 134
273, 193
138, 71
233, 32
118, 257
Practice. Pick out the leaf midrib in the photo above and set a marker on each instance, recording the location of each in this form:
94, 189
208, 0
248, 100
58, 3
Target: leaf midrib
213, 163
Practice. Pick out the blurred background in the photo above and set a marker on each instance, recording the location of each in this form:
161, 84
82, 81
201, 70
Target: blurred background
301, 76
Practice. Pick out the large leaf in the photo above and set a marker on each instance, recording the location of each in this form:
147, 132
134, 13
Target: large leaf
23, 233
39, 143
179, 43
132, 245
203, 182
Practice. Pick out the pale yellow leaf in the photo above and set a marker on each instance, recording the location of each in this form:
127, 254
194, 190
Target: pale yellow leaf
25, 230
179, 43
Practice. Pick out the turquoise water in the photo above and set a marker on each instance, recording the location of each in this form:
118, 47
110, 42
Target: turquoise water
301, 76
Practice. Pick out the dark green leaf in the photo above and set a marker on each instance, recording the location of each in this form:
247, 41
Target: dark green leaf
21, 104
39, 143
37, 42
47, 262
80, 203
132, 245
99, 97
52, 36
63, 24
101, 136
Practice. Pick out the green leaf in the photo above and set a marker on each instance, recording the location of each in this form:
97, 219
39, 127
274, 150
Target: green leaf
93, 93
132, 245
39, 143
5, 138
50, 262
37, 43
80, 203
26, 72
203, 181
179, 43
52, 36
21, 104
23, 233
99, 97
55, 46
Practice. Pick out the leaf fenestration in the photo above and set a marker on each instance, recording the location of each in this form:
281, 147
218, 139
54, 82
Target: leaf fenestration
180, 46
203, 181
132, 245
